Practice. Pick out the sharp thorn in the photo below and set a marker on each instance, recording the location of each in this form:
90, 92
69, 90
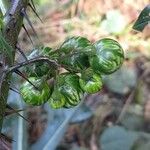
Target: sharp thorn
29, 22
16, 111
6, 138
22, 53
33, 4
24, 77
27, 34
10, 111
14, 90
35, 12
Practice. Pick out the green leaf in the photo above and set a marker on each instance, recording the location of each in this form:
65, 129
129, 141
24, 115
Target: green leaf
5, 47
143, 19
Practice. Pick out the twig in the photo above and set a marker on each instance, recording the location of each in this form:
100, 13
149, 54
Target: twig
31, 61
128, 101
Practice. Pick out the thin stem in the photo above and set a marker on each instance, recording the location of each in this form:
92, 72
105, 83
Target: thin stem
31, 61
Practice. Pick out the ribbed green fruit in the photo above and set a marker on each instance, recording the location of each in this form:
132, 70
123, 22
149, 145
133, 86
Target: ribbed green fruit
90, 82
34, 96
67, 92
39, 69
109, 56
57, 100
75, 53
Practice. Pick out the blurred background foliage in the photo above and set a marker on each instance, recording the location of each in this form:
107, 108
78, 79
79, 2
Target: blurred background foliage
120, 118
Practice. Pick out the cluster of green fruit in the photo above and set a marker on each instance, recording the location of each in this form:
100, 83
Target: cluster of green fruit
84, 63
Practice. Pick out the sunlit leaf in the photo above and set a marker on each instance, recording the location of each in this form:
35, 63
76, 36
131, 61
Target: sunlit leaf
143, 19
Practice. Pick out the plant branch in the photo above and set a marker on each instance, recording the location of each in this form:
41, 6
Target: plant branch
31, 61
13, 21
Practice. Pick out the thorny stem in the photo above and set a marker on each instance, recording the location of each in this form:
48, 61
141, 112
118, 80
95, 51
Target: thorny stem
12, 25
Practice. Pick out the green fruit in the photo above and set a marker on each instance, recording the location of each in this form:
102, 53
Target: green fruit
70, 88
76, 63
90, 82
45, 51
67, 92
68, 105
109, 56
57, 100
39, 69
76, 52
34, 96
77, 44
